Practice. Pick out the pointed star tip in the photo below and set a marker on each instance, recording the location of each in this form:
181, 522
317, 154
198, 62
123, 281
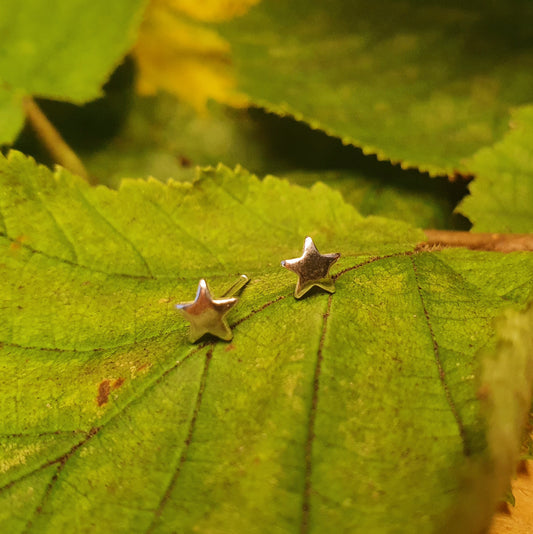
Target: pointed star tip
309, 245
202, 289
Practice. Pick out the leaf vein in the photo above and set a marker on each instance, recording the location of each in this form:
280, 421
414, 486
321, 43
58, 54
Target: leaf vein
136, 251
104, 422
2, 223
440, 368
306, 501
266, 222
61, 461
254, 312
194, 239
69, 243
73, 263
187, 443
85, 351
95, 430
41, 434
372, 260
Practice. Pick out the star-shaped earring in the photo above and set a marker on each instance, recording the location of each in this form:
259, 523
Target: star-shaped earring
312, 269
208, 315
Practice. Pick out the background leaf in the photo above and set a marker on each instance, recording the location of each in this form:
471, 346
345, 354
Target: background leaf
410, 197
163, 137
353, 411
514, 348
426, 85
61, 50
176, 54
501, 197
11, 115
507, 372
127, 135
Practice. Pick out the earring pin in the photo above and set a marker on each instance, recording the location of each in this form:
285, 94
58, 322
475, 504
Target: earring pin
208, 315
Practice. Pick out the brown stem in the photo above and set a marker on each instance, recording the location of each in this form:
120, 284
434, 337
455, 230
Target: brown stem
52, 140
478, 241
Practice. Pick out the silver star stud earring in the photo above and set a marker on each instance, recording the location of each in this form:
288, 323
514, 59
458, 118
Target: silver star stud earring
208, 315
312, 269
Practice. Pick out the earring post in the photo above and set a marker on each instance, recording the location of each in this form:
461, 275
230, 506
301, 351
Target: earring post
237, 286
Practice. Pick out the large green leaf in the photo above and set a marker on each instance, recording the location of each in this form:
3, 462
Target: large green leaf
357, 411
62, 50
423, 83
501, 197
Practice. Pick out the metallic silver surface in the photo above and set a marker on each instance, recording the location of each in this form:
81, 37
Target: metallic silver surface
312, 269
208, 315
237, 286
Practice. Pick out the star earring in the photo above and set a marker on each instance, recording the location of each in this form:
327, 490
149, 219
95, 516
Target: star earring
312, 269
208, 315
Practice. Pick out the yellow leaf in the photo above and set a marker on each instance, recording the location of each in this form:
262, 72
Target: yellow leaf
210, 10
176, 54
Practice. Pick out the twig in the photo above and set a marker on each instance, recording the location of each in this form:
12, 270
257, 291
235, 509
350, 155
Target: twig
478, 241
52, 140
